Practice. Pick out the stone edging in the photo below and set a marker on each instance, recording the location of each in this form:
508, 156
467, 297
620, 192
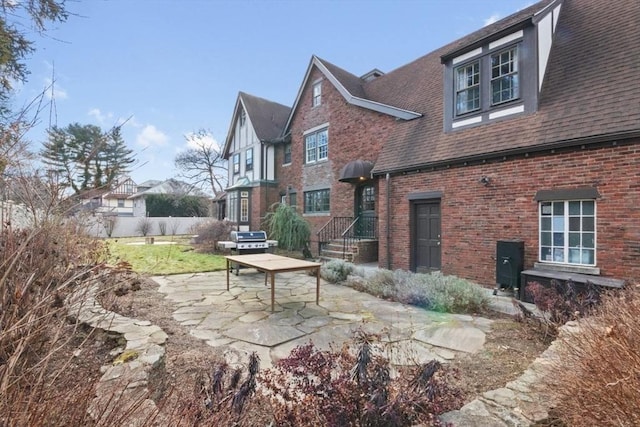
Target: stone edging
122, 391
522, 402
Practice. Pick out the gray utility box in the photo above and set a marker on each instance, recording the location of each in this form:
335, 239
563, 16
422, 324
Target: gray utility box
509, 265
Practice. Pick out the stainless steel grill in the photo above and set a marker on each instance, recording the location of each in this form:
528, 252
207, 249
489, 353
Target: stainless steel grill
250, 242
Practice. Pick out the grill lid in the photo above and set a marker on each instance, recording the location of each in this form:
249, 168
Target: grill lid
248, 236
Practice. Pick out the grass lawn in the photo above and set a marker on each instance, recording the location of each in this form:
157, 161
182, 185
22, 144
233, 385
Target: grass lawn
168, 255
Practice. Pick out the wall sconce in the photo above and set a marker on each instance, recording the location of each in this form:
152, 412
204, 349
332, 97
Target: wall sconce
485, 180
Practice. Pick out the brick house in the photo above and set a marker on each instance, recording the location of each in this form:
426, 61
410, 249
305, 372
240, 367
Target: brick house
256, 126
530, 132
333, 137
525, 131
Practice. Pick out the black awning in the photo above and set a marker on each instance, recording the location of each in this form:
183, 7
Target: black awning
356, 171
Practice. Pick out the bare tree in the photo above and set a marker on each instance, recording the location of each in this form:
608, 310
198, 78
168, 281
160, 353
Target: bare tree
202, 164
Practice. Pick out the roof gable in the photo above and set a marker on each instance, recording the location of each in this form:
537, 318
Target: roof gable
266, 117
351, 88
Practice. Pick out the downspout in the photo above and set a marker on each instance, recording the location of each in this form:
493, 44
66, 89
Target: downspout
388, 180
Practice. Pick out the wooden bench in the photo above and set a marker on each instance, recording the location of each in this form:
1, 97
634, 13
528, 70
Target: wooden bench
544, 277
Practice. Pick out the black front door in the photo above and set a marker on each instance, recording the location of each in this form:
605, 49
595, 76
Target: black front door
426, 247
365, 208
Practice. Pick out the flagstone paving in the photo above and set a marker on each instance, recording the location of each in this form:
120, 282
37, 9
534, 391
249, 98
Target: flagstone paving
241, 318
240, 322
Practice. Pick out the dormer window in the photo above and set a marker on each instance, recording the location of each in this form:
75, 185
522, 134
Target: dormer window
504, 76
317, 94
468, 88
494, 80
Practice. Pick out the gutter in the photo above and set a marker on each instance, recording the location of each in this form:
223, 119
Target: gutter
388, 179
614, 139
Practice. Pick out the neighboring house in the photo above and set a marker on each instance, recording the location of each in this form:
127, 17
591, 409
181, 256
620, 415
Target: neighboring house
114, 202
256, 126
526, 130
168, 187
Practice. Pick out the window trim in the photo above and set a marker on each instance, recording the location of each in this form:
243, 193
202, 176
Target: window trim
565, 219
316, 94
248, 159
287, 154
317, 148
515, 71
321, 210
236, 163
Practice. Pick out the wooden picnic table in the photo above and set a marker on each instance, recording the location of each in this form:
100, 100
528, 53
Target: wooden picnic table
271, 264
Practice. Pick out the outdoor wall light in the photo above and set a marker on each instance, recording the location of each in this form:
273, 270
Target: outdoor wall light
485, 180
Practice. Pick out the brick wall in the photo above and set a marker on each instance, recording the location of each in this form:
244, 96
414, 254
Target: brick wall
475, 216
354, 133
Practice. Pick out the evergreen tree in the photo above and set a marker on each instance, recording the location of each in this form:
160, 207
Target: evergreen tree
84, 157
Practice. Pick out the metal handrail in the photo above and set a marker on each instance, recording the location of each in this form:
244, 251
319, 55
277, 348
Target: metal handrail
363, 227
332, 230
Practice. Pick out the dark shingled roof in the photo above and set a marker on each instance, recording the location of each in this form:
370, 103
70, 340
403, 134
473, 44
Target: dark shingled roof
351, 82
590, 90
267, 117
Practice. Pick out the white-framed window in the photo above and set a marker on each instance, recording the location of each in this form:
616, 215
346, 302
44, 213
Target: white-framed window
236, 163
317, 94
287, 153
232, 206
317, 201
568, 232
486, 82
468, 88
504, 76
316, 146
244, 209
249, 159
243, 118
121, 203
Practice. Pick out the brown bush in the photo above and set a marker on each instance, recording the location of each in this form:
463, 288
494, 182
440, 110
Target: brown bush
209, 233
38, 269
596, 377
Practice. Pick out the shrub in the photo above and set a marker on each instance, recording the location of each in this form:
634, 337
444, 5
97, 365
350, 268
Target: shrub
209, 233
335, 388
144, 226
561, 302
289, 228
433, 291
162, 227
595, 379
336, 270
38, 269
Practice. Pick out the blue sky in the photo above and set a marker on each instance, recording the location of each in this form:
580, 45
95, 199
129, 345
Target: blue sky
176, 66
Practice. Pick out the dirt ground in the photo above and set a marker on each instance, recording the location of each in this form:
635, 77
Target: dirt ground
511, 346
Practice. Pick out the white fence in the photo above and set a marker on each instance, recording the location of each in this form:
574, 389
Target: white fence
21, 217
132, 226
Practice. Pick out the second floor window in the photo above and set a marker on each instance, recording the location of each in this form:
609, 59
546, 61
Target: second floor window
236, 163
504, 76
287, 153
249, 159
468, 88
317, 146
317, 94
487, 82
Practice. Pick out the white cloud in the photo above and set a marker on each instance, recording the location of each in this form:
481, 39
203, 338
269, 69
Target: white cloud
493, 18
100, 116
150, 136
196, 140
54, 90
